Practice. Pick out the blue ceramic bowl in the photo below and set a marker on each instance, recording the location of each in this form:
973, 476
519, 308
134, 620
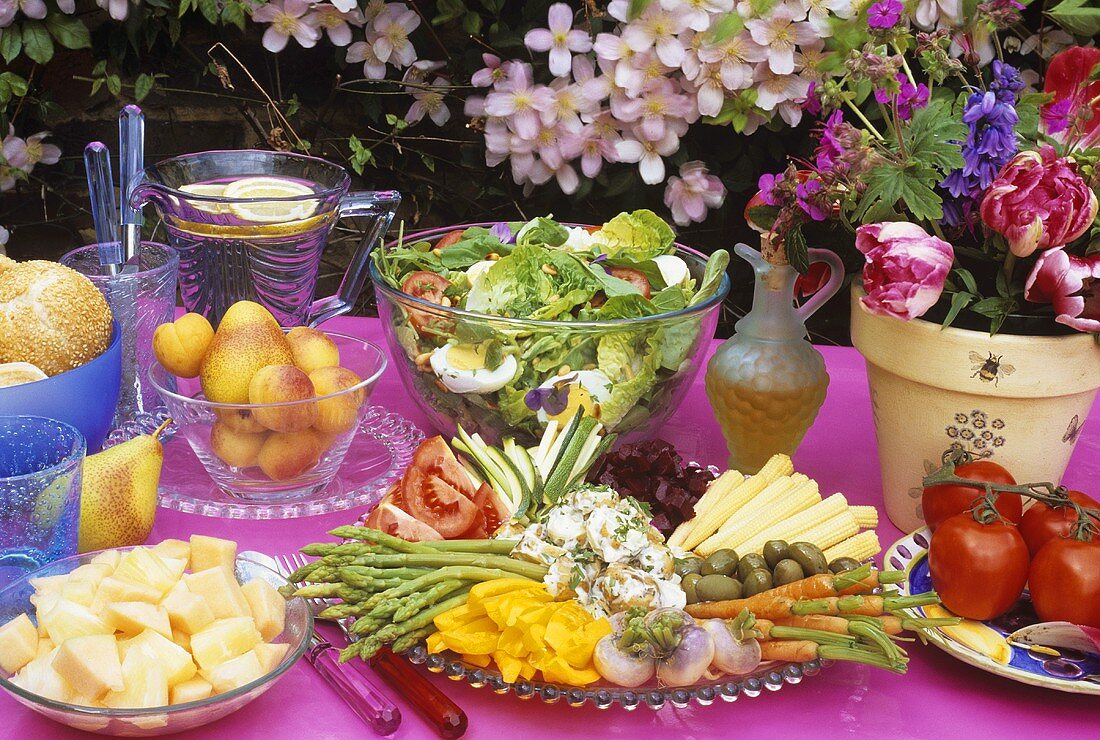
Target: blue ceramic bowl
85, 396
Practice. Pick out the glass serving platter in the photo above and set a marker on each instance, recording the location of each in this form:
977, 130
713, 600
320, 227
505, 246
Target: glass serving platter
377, 457
769, 677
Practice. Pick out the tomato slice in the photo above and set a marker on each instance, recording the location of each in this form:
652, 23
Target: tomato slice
437, 489
429, 287
393, 521
450, 238
636, 278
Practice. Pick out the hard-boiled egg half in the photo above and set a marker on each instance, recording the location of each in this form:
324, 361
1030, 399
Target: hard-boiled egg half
586, 388
674, 270
462, 368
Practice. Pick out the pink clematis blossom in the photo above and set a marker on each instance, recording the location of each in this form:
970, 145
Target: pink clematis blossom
774, 89
569, 107
648, 154
690, 195
24, 154
287, 18
1038, 201
7, 177
594, 144
659, 102
779, 34
490, 74
118, 9
820, 14
393, 26
429, 102
373, 67
736, 58
35, 9
697, 13
559, 38
657, 29
906, 268
521, 103
1071, 284
336, 23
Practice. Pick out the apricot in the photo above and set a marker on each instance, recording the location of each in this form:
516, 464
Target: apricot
286, 455
236, 449
311, 349
181, 345
340, 413
282, 384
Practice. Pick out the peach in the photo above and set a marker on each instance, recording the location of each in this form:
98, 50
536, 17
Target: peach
287, 455
312, 349
282, 384
339, 414
237, 449
240, 420
181, 344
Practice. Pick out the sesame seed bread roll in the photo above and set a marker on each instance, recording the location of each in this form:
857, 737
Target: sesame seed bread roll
50, 316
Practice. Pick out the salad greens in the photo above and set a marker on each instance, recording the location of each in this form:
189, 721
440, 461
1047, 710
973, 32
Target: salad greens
491, 375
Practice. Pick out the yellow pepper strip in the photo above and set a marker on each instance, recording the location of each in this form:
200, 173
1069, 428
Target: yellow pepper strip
435, 643
509, 666
472, 643
481, 624
511, 642
556, 669
499, 586
459, 615
481, 661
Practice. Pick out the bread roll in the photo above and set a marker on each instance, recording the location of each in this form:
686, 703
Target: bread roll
51, 316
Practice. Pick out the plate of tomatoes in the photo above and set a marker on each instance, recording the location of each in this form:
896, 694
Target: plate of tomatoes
1004, 557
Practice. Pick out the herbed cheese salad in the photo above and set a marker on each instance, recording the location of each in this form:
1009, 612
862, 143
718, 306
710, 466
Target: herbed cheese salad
491, 374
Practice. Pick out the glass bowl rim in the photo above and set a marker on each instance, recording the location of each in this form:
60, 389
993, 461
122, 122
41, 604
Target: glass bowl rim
288, 661
74, 456
396, 294
379, 356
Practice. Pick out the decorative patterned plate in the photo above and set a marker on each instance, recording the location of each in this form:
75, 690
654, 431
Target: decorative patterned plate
1069, 670
377, 457
770, 677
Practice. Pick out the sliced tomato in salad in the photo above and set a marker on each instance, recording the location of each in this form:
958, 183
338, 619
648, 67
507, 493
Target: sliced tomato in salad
426, 286
437, 489
390, 519
451, 237
636, 278
492, 507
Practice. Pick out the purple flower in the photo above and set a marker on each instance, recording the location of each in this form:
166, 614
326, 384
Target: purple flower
810, 205
552, 400
1055, 116
812, 104
767, 184
501, 231
885, 14
830, 149
909, 96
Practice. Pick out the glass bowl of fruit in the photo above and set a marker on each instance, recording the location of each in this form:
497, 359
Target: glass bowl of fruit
505, 328
278, 429
128, 642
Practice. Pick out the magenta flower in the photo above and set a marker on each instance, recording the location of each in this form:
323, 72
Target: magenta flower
909, 96
808, 199
560, 39
1071, 284
690, 195
885, 14
767, 185
1038, 201
906, 268
287, 19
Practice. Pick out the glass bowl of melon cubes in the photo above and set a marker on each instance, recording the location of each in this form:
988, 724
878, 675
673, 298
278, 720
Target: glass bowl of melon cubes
148, 640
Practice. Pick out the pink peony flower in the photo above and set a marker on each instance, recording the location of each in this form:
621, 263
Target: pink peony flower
906, 268
1038, 201
1071, 284
690, 195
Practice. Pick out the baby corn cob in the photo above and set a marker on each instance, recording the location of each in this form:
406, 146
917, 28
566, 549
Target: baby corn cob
785, 502
860, 547
866, 516
791, 529
719, 490
710, 520
831, 531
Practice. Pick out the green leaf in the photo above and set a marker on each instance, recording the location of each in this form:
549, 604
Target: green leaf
11, 42
5, 92
933, 137
16, 83
764, 216
448, 10
797, 253
636, 8
142, 86
967, 279
890, 183
209, 10
471, 24
69, 31
726, 27
959, 301
1077, 17
96, 85
233, 15
114, 84
36, 42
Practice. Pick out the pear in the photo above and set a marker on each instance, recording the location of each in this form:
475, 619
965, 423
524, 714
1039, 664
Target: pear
119, 494
248, 338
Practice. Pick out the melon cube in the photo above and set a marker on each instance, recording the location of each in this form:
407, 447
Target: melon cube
173, 549
183, 639
42, 604
192, 689
68, 619
143, 566
45, 645
48, 584
82, 592
267, 605
134, 617
234, 673
18, 643
210, 552
112, 589
223, 640
177, 662
110, 558
39, 677
90, 665
92, 572
146, 683
270, 654
187, 612
221, 591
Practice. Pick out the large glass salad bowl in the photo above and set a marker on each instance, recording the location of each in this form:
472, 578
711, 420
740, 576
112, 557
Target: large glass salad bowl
504, 328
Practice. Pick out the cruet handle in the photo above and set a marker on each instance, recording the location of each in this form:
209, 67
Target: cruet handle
836, 279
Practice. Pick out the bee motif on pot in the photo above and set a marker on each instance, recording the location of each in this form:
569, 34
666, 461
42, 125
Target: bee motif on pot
1074, 429
990, 369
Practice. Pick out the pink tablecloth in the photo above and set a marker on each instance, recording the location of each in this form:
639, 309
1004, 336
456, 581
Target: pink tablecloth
939, 697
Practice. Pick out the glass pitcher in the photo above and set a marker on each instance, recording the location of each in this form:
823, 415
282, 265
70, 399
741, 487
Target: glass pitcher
251, 225
766, 383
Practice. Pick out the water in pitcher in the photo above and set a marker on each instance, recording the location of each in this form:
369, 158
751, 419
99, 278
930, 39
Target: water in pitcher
258, 238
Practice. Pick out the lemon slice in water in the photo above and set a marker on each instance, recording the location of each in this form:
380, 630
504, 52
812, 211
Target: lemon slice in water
18, 373
209, 189
251, 194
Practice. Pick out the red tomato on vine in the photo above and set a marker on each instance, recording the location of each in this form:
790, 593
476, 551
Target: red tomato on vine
978, 569
946, 500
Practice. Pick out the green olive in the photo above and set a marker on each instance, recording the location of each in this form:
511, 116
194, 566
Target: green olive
749, 563
717, 587
683, 566
787, 571
841, 565
757, 581
723, 562
774, 551
810, 557
688, 584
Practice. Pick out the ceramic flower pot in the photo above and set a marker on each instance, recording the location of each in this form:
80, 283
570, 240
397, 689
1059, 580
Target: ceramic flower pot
1019, 400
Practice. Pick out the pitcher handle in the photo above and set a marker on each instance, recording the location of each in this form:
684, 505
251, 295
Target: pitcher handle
381, 205
836, 278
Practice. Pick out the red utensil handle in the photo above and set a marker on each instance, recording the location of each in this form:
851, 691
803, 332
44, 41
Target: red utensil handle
355, 689
448, 720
